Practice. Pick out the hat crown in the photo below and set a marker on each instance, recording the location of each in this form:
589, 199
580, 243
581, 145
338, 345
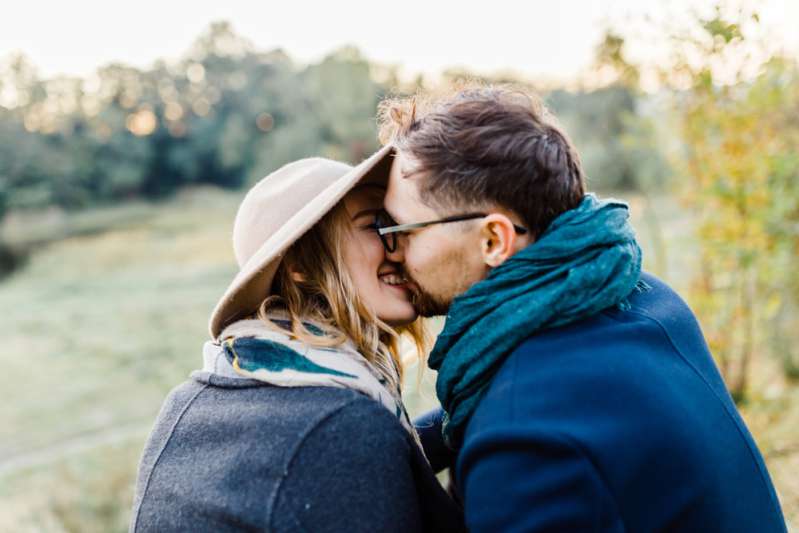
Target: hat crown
276, 198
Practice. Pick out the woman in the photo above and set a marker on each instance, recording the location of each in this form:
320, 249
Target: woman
295, 422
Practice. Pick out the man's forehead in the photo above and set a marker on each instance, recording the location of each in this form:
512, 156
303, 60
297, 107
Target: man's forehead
399, 183
404, 166
403, 201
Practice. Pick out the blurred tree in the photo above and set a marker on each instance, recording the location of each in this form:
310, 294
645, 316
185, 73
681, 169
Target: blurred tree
739, 154
611, 64
226, 114
222, 115
598, 121
628, 154
344, 97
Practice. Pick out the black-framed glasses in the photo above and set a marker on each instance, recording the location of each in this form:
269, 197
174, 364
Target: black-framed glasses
387, 228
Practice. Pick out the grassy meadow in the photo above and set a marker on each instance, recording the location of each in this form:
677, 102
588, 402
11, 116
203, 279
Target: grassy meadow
110, 311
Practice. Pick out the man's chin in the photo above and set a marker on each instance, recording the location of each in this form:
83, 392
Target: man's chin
427, 305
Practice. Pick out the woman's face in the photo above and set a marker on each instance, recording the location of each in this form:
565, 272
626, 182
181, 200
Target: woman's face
379, 282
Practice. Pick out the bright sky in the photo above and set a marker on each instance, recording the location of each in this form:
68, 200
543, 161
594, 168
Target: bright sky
552, 40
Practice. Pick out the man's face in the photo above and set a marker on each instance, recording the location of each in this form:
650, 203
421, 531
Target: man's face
442, 260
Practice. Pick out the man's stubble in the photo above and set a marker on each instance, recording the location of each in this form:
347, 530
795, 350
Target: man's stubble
433, 297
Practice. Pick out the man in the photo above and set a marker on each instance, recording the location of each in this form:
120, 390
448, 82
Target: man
579, 392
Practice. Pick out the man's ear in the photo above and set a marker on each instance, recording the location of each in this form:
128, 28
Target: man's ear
497, 239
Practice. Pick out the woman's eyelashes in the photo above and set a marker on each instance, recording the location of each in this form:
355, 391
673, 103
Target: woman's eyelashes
369, 224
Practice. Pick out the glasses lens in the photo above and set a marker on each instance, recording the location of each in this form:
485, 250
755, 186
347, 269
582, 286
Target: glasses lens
384, 220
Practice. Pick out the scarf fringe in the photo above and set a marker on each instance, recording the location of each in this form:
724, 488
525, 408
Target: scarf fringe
640, 287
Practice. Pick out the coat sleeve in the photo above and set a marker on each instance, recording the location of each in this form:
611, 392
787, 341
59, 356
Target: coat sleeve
515, 481
351, 473
428, 426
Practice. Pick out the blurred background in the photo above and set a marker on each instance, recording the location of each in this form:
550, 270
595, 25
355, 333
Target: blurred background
130, 132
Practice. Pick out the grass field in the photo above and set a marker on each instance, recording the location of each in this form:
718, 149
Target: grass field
110, 313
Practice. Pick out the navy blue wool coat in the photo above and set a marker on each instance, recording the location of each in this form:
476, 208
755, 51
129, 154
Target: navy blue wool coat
620, 422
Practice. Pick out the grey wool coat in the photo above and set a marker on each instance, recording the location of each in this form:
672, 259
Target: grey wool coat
235, 454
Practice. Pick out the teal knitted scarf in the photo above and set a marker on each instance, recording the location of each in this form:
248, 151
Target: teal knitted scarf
586, 261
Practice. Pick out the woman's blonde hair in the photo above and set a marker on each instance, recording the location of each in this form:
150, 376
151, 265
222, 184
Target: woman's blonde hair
312, 285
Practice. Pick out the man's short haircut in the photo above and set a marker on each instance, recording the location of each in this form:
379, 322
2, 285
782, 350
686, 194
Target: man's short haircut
487, 145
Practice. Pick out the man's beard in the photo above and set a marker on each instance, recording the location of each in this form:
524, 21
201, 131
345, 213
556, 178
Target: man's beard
426, 304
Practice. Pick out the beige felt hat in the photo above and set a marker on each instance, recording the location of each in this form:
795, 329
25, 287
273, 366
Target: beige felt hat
276, 212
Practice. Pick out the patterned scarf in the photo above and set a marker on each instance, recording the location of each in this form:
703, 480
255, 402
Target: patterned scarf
254, 350
585, 262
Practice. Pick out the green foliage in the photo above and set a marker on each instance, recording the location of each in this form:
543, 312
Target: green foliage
616, 128
222, 115
227, 114
346, 99
616, 136
739, 139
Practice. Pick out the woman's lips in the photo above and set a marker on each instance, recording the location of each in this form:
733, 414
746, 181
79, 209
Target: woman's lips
393, 280
396, 281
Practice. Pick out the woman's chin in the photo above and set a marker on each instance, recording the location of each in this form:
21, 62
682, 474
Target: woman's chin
399, 317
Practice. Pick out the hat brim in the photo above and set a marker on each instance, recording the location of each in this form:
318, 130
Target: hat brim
253, 283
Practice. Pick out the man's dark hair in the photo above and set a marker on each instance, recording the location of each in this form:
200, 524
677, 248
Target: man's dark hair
487, 145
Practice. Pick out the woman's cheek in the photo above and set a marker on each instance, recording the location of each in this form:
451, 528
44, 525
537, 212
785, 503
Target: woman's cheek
371, 251
364, 260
